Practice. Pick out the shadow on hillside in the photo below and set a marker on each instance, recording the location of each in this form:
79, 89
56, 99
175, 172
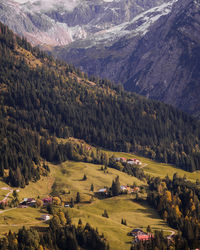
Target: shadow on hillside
150, 212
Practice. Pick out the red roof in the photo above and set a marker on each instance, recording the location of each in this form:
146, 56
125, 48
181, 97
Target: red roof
46, 200
144, 237
122, 158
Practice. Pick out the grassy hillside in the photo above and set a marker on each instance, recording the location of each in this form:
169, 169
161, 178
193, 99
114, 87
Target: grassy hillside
155, 168
136, 215
68, 177
15, 218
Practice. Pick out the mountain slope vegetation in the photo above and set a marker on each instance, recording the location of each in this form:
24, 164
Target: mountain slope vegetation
41, 98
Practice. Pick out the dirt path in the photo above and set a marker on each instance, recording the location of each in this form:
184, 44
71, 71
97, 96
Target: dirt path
144, 165
171, 231
8, 194
6, 210
21, 224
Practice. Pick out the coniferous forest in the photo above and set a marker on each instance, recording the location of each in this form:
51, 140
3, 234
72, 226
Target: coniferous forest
42, 98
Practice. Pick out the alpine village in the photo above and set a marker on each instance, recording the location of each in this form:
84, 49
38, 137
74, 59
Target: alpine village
86, 164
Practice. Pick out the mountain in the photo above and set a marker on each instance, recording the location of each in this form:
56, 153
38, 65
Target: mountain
151, 47
156, 54
63, 22
42, 99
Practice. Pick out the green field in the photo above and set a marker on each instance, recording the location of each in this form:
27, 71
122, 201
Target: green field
136, 215
70, 174
158, 169
65, 180
16, 218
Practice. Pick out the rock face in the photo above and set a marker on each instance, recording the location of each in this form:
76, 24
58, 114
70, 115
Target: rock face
64, 21
35, 26
165, 64
160, 61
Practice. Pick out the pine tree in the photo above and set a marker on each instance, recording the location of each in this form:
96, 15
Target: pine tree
80, 222
148, 229
115, 187
84, 177
78, 198
72, 202
105, 214
92, 187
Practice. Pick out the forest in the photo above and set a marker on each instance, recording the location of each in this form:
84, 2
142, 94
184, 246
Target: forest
178, 203
42, 99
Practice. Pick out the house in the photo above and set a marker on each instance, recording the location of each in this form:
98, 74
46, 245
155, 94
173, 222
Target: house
131, 162
45, 217
137, 231
102, 190
123, 188
136, 189
47, 200
143, 237
134, 161
122, 159
126, 189
31, 202
28, 202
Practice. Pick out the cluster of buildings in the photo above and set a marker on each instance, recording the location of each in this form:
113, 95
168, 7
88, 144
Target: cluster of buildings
27, 202
129, 190
124, 189
31, 202
129, 161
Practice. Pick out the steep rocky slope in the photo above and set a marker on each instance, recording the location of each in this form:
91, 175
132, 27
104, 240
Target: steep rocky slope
62, 22
165, 64
161, 60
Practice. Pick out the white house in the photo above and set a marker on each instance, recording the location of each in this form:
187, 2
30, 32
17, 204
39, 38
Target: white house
102, 190
134, 161
45, 217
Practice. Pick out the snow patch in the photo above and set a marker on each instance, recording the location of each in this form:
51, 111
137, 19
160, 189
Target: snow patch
138, 26
46, 5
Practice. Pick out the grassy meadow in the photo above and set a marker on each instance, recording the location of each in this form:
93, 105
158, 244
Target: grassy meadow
137, 215
66, 179
158, 169
15, 218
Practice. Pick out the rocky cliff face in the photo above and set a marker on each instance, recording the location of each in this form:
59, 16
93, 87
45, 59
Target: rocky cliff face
65, 21
160, 61
165, 64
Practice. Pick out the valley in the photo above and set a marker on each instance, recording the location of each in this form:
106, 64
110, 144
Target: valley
136, 214
65, 143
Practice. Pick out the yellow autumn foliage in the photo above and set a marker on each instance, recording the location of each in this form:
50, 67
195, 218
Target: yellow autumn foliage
168, 196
